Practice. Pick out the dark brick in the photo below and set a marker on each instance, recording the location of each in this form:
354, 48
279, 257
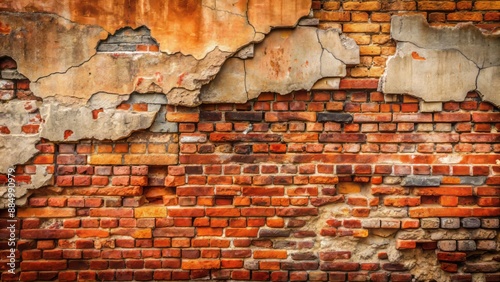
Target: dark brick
244, 116
336, 117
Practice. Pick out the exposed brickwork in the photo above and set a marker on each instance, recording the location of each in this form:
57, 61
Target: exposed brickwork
343, 185
261, 205
368, 23
129, 40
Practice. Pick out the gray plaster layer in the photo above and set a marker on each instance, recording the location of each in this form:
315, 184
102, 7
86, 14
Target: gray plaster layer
43, 44
433, 75
179, 77
287, 60
441, 64
229, 84
469, 40
488, 83
109, 124
17, 149
16, 113
23, 191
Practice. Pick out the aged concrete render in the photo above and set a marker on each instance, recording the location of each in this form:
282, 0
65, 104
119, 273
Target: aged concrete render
178, 76
190, 27
441, 64
64, 123
250, 140
43, 44
285, 61
194, 36
54, 44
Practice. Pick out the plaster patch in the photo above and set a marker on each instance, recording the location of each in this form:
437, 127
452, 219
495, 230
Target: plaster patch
192, 27
43, 44
287, 60
179, 77
23, 191
110, 123
441, 64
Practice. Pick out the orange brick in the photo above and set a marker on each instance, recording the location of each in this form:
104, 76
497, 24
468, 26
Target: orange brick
362, 6
487, 5
333, 16
157, 148
436, 5
361, 27
200, 264
399, 5
406, 244
272, 254
269, 265
420, 212
465, 16
183, 117
410, 223
448, 201
331, 6
46, 212
242, 232
348, 187
275, 222
105, 159
369, 50
380, 17
44, 159
152, 211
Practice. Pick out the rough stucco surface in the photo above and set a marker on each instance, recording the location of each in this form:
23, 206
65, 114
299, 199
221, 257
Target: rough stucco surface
194, 36
441, 64
108, 123
41, 178
136, 72
194, 27
340, 184
54, 44
287, 60
17, 113
43, 44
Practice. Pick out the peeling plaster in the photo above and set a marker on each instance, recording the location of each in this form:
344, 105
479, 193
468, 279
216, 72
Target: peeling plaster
17, 149
442, 64
193, 35
287, 60
108, 123
190, 27
23, 191
44, 44
133, 72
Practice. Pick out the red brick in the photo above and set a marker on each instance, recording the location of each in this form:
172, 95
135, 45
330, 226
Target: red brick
241, 232
222, 212
348, 83
451, 256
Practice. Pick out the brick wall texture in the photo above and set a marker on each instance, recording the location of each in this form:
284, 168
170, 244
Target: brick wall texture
344, 185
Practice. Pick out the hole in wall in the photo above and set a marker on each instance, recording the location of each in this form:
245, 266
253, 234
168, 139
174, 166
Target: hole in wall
129, 40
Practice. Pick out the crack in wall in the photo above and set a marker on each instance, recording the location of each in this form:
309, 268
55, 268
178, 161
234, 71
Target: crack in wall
446, 83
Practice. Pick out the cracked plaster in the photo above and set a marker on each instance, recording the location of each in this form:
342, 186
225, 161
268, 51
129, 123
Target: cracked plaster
287, 60
23, 191
194, 37
442, 64
54, 44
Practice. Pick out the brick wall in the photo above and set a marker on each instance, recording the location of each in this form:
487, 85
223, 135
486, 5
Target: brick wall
345, 185
317, 169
